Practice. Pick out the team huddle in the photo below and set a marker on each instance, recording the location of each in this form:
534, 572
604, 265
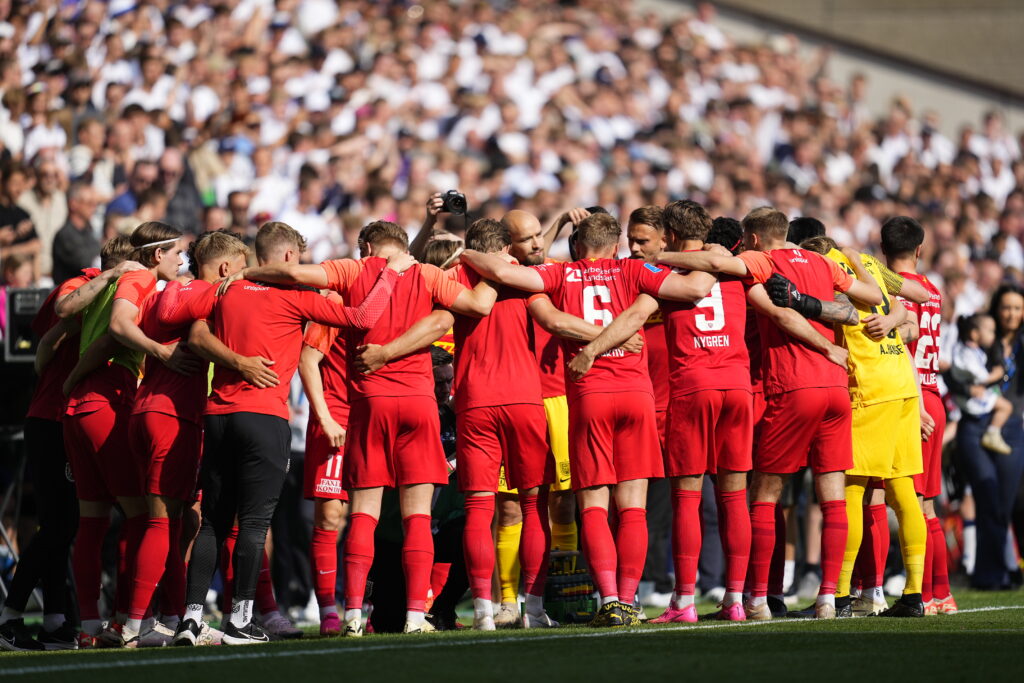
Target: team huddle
746, 351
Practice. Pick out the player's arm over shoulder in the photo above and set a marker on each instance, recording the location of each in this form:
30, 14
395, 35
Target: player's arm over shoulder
452, 294
497, 269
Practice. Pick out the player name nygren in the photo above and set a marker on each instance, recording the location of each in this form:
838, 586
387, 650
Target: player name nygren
711, 342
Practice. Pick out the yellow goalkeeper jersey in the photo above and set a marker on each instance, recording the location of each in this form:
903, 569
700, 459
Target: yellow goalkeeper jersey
879, 370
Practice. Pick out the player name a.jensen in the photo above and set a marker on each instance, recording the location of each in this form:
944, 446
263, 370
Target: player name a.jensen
891, 349
711, 342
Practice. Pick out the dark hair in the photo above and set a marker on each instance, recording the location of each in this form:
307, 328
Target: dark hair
379, 233
686, 220
804, 228
728, 232
901, 235
440, 252
598, 231
439, 357
158, 235
648, 215
213, 245
997, 299
487, 235
966, 324
766, 221
116, 250
821, 245
273, 234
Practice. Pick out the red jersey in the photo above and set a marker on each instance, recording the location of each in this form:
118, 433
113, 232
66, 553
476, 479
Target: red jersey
116, 382
48, 398
925, 349
657, 358
333, 367
707, 346
256, 319
597, 290
416, 292
548, 350
790, 364
495, 365
753, 342
163, 390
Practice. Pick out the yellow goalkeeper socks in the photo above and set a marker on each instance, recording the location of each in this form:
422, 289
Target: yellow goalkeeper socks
855, 487
508, 561
563, 536
902, 498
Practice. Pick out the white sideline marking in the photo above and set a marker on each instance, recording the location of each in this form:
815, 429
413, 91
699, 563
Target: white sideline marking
334, 649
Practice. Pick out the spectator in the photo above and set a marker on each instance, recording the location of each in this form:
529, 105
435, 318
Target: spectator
241, 222
995, 478
152, 206
17, 234
305, 216
47, 207
185, 207
143, 176
75, 246
17, 272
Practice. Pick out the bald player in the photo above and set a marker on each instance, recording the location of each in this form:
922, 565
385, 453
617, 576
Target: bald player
529, 248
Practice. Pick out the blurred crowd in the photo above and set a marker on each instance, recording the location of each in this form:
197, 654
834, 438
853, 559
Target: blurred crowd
325, 115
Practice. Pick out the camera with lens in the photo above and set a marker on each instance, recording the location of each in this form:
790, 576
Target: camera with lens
454, 202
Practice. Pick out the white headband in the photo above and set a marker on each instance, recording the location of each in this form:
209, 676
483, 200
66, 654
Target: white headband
157, 244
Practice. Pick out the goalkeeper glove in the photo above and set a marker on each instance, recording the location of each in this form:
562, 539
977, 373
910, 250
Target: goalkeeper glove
784, 294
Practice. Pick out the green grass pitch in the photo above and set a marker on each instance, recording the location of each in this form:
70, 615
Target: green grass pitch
984, 643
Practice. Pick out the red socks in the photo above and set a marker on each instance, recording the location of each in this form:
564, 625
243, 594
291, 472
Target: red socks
940, 561
87, 565
358, 557
762, 545
227, 570
172, 602
929, 560
132, 531
734, 528
535, 542
631, 540
686, 538
152, 561
599, 547
265, 600
833, 544
323, 561
478, 544
874, 546
417, 561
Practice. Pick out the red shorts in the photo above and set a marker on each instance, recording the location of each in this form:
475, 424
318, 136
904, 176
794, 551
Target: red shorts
613, 438
98, 452
393, 441
321, 470
171, 450
661, 420
513, 435
806, 427
760, 405
929, 483
709, 430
